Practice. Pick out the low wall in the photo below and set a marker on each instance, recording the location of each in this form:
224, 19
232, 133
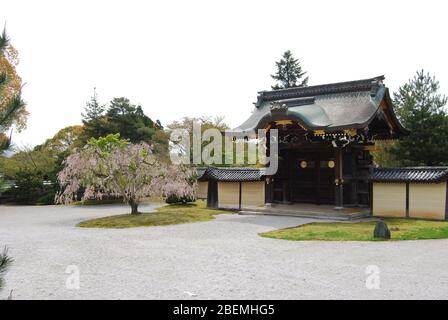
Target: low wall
202, 190
410, 200
228, 195
389, 200
252, 194
427, 201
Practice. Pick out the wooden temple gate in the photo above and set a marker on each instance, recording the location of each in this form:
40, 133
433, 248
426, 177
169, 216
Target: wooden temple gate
325, 133
312, 170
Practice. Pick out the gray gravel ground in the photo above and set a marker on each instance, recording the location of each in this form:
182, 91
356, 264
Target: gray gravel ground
219, 259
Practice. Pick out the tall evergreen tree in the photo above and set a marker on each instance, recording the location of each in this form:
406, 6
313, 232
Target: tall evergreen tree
93, 110
92, 117
289, 73
421, 109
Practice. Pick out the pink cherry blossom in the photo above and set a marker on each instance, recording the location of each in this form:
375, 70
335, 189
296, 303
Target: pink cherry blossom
131, 171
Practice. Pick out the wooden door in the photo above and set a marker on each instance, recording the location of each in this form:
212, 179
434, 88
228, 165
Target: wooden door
311, 178
325, 183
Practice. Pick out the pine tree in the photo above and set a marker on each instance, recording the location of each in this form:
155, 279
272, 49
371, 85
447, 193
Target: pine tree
420, 108
12, 107
289, 73
93, 110
92, 117
5, 262
129, 120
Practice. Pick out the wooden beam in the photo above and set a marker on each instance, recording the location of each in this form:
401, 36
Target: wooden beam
354, 199
269, 190
239, 200
338, 174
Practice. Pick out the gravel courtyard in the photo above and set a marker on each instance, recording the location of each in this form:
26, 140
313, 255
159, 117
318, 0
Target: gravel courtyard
220, 259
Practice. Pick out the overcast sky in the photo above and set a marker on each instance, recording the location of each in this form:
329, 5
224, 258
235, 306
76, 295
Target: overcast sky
192, 58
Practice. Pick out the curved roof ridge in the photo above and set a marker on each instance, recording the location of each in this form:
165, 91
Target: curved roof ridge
354, 105
336, 87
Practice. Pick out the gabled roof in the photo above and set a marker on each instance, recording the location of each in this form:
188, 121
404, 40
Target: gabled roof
328, 107
232, 174
410, 174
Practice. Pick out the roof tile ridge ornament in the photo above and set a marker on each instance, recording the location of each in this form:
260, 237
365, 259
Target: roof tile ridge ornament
259, 99
278, 107
376, 84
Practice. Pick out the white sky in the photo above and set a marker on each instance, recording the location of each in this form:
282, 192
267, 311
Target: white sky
179, 58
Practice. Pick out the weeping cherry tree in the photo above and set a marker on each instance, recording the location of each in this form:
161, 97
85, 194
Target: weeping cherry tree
112, 166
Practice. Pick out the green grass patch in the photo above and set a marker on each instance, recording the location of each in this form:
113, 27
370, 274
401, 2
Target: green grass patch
167, 215
97, 202
94, 202
401, 229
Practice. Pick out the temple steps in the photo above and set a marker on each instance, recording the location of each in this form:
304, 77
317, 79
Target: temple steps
316, 213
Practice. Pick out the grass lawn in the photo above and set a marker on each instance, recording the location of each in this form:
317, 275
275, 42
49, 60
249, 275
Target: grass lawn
95, 202
170, 214
401, 229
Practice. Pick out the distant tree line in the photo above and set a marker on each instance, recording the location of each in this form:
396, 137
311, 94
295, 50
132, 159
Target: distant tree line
418, 104
34, 170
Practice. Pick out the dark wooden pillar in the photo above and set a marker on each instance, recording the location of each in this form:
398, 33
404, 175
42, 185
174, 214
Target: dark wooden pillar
269, 190
240, 196
338, 181
212, 194
285, 189
285, 178
317, 181
354, 183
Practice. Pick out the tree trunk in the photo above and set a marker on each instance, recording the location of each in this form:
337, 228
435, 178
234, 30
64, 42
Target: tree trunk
134, 207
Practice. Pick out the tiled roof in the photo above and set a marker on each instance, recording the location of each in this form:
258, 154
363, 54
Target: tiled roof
233, 174
410, 174
324, 89
330, 107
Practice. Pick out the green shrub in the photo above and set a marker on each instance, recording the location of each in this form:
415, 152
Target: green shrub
173, 199
47, 199
29, 188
